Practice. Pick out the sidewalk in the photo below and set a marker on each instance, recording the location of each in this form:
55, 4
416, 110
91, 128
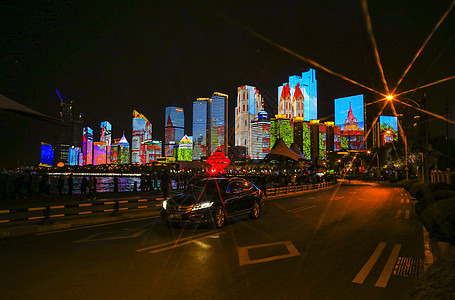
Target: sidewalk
20, 228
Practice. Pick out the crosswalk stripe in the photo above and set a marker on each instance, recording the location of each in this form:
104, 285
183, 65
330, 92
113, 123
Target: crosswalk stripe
363, 273
388, 268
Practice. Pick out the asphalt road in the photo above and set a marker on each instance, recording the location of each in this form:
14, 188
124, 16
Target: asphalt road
342, 243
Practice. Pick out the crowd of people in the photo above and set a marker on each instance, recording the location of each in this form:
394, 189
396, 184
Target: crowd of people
26, 185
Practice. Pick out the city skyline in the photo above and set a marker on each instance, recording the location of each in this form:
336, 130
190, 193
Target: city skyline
108, 71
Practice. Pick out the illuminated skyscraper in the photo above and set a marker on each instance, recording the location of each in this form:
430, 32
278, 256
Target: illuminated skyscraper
87, 146
174, 130
142, 133
260, 136
105, 137
249, 104
153, 150
298, 97
99, 153
74, 156
201, 132
219, 119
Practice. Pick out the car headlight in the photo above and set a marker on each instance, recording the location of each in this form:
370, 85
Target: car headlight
202, 205
164, 204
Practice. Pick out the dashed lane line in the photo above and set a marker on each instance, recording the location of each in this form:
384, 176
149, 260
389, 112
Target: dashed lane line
388, 268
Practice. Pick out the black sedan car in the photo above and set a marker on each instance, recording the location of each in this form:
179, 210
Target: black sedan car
214, 200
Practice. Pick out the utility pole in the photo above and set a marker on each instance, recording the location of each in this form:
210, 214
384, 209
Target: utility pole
424, 135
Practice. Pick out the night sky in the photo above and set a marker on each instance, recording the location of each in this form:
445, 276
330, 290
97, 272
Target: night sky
111, 57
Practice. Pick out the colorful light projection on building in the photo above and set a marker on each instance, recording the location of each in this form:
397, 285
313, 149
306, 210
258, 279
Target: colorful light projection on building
87, 146
280, 127
142, 131
174, 130
105, 137
388, 129
154, 150
260, 136
74, 156
298, 97
218, 122
322, 141
185, 152
47, 155
123, 151
218, 161
201, 123
99, 153
350, 116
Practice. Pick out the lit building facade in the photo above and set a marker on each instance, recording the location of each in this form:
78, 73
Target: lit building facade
47, 155
249, 104
185, 152
302, 136
74, 156
201, 125
105, 137
298, 97
260, 136
142, 132
87, 146
218, 122
99, 153
123, 150
154, 150
280, 127
174, 129
350, 116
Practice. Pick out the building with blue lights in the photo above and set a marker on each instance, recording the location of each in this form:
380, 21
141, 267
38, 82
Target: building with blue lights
201, 132
299, 97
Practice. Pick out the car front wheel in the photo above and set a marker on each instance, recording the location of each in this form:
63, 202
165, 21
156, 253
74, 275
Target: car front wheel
255, 210
219, 217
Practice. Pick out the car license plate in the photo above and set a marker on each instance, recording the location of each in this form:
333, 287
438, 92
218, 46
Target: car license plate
175, 216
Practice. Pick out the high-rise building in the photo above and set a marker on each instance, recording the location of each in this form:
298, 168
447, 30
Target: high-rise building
99, 153
174, 129
201, 125
298, 97
142, 132
219, 122
260, 136
249, 104
69, 133
185, 152
105, 137
349, 115
87, 146
74, 155
153, 150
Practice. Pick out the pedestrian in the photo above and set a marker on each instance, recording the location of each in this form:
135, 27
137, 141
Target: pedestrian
91, 188
264, 185
84, 184
165, 184
115, 184
47, 184
60, 184
70, 185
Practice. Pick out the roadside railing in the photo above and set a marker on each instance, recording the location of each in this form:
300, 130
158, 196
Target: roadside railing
47, 213
297, 188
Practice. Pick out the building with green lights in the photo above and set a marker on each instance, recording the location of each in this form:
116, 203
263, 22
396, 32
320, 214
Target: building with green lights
185, 149
280, 127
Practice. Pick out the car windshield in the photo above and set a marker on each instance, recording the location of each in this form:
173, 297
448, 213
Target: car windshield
210, 186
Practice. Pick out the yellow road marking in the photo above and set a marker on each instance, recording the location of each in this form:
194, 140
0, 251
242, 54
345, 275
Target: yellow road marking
388, 268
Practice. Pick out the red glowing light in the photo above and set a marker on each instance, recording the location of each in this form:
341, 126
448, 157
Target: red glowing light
218, 161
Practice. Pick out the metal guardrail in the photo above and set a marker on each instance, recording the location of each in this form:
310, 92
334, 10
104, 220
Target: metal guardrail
297, 188
48, 212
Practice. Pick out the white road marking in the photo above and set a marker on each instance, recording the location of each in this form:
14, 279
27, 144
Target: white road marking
244, 258
93, 237
193, 237
178, 244
388, 268
398, 214
407, 200
302, 208
363, 273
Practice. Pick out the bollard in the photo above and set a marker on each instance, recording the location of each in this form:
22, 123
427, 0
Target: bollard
116, 208
47, 216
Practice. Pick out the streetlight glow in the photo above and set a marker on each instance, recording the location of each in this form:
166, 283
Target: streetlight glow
389, 97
